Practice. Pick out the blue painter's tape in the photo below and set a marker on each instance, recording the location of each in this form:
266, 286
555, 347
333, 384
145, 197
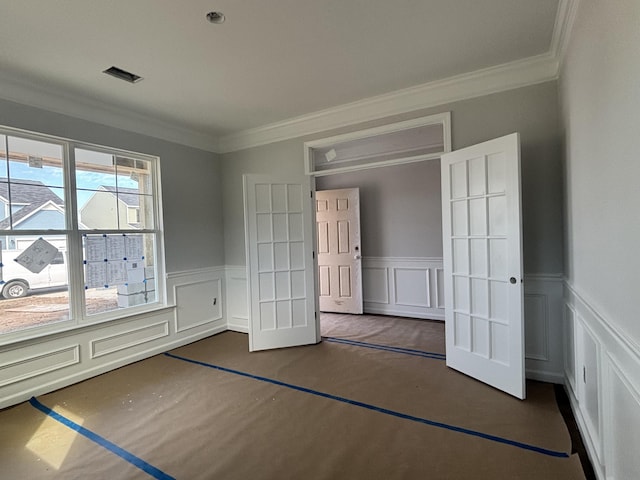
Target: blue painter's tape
1, 264
386, 411
404, 351
103, 442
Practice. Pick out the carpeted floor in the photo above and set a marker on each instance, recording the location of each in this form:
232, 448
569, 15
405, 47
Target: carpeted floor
374, 400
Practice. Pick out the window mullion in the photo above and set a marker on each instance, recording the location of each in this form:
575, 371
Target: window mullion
74, 238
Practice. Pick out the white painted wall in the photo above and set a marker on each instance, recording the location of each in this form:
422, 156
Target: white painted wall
601, 119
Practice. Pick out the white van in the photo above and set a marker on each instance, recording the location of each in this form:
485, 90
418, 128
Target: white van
17, 281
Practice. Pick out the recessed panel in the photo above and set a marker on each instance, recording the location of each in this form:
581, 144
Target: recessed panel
497, 215
477, 216
267, 316
463, 331
344, 272
299, 313
294, 198
263, 225
343, 204
478, 254
500, 343
265, 257
297, 284
498, 258
322, 205
283, 314
263, 198
459, 218
325, 281
460, 256
461, 293
323, 237
343, 237
458, 180
279, 198
297, 255
498, 298
280, 230
497, 172
479, 297
283, 290
265, 281
296, 227
281, 251
477, 178
480, 343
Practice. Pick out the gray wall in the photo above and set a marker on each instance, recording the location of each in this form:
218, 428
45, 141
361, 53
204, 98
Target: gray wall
601, 115
532, 111
400, 208
191, 194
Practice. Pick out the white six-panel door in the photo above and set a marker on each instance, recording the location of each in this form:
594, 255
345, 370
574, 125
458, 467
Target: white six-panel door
482, 249
339, 255
280, 266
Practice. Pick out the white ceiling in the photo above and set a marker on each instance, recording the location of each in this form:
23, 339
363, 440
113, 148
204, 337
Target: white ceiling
272, 60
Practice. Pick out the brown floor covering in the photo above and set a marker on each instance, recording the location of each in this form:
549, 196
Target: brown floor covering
194, 422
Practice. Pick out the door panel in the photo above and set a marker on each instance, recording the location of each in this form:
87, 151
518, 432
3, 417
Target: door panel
482, 243
339, 255
280, 269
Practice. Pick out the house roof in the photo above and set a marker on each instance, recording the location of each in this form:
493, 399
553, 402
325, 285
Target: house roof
130, 196
33, 193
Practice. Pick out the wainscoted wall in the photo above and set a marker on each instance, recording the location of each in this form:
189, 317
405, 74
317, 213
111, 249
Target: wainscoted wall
403, 286
602, 376
237, 311
38, 366
543, 327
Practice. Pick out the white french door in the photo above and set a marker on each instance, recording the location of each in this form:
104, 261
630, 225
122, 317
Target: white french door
482, 249
339, 255
280, 268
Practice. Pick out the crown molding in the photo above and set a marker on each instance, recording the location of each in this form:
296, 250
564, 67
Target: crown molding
517, 74
520, 73
565, 18
59, 101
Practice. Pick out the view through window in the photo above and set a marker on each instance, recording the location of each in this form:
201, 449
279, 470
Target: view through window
79, 232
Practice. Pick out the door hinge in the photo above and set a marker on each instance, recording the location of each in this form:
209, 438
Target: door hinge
584, 374
314, 254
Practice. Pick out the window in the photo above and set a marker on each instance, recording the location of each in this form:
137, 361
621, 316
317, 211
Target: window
81, 236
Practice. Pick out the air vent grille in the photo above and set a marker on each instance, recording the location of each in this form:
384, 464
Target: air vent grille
122, 74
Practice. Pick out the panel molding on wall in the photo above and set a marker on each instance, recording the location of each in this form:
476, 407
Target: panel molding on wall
77, 355
403, 286
544, 359
237, 311
602, 374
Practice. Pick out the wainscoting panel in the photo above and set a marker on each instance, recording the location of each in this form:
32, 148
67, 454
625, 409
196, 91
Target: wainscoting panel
543, 323
403, 286
237, 312
40, 365
127, 339
17, 366
602, 370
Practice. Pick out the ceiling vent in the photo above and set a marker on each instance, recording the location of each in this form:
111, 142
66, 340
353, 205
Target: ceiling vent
123, 74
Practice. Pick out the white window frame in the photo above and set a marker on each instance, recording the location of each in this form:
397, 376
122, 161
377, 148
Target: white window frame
72, 232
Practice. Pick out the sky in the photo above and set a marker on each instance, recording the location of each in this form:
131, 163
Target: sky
52, 177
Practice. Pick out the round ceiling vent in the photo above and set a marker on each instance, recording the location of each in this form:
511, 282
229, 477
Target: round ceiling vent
216, 17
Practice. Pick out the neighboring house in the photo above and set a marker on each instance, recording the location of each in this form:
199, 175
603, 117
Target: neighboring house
32, 206
111, 208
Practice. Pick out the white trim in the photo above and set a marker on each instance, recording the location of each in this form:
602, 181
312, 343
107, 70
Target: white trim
508, 76
565, 18
58, 100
